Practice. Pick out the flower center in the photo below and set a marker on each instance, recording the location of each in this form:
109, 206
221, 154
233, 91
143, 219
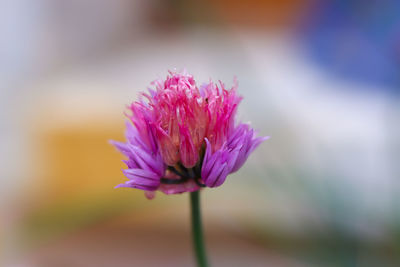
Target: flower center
183, 175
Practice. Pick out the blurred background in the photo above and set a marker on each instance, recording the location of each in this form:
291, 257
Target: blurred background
321, 77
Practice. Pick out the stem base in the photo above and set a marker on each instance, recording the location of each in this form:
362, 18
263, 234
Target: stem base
197, 230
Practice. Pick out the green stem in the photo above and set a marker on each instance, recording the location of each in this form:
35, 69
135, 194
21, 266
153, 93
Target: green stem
197, 231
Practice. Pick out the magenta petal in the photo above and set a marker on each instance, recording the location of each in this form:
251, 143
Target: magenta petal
188, 152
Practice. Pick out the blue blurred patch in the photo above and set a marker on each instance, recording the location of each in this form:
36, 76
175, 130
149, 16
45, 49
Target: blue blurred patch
357, 40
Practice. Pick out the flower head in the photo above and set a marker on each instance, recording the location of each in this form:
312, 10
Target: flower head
181, 137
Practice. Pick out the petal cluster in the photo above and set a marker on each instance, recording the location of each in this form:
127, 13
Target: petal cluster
181, 137
145, 164
230, 157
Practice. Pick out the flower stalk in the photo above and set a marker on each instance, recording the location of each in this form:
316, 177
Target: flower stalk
197, 230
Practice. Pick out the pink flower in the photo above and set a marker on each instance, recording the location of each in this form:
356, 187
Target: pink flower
182, 137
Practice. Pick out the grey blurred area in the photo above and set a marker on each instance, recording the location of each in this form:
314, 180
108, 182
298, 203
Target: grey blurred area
323, 191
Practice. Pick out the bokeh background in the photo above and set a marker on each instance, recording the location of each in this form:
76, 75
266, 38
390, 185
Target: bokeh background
320, 77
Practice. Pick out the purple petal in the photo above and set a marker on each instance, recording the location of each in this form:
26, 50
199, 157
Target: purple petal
126, 185
215, 174
208, 150
222, 177
237, 133
147, 161
131, 164
141, 179
122, 147
249, 144
208, 161
233, 156
217, 166
256, 142
140, 173
131, 133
